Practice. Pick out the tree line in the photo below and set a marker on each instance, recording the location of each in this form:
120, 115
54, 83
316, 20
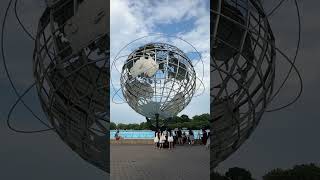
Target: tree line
183, 121
298, 172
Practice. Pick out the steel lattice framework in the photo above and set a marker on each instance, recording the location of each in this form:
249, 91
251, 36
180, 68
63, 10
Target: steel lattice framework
242, 73
168, 91
71, 68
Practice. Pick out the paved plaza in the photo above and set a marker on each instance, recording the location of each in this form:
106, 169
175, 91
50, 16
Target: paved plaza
144, 162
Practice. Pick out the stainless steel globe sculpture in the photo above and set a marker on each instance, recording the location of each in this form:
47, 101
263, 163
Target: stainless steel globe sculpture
242, 73
71, 69
158, 80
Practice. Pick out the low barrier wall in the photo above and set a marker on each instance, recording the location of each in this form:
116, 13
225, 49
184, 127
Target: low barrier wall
131, 141
140, 141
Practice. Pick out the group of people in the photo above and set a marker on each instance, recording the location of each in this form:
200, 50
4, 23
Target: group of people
168, 138
163, 138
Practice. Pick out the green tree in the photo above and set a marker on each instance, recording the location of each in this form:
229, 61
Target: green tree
298, 172
144, 126
197, 122
201, 118
237, 173
133, 126
172, 126
217, 176
113, 126
177, 119
121, 126
185, 118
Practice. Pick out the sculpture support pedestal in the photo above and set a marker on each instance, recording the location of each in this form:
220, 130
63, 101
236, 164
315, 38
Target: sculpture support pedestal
157, 121
154, 128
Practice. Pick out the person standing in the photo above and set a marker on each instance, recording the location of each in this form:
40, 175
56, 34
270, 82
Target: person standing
204, 137
162, 140
117, 135
170, 140
156, 140
208, 141
175, 139
179, 134
186, 133
199, 134
184, 137
165, 133
191, 137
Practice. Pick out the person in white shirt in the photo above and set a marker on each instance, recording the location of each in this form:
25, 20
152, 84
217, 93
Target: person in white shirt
165, 133
170, 140
199, 134
187, 137
162, 140
191, 137
156, 139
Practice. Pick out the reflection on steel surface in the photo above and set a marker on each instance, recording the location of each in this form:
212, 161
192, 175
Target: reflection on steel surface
242, 73
71, 68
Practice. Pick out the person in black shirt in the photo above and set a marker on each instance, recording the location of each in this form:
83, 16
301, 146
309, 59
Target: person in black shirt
179, 134
204, 137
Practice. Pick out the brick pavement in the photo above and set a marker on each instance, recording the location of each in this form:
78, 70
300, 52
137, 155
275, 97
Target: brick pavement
143, 162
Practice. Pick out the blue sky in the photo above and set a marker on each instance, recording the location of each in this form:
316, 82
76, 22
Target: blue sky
186, 19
